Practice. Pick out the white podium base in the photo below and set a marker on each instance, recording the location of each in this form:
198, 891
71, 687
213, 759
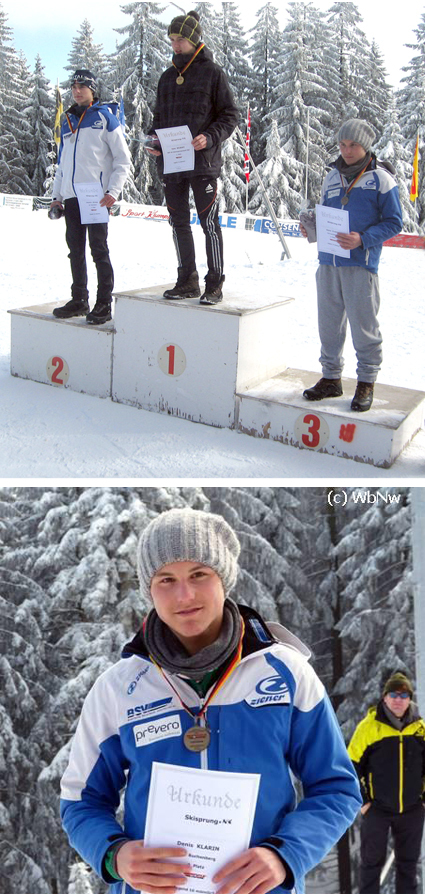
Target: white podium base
222, 365
277, 410
186, 359
65, 353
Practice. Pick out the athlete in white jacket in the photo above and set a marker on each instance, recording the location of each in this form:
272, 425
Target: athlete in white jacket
92, 150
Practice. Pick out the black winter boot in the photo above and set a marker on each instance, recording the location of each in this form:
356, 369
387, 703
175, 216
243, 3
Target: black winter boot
213, 291
187, 286
101, 312
77, 307
363, 397
324, 388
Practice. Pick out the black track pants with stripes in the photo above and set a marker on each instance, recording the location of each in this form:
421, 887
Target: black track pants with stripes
205, 194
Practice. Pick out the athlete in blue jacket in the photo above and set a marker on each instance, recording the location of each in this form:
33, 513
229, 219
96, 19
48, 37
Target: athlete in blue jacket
348, 288
206, 684
92, 150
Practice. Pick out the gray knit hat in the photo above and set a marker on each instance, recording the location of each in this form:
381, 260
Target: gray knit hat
185, 535
357, 130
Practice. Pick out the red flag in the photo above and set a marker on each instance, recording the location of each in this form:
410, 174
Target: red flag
248, 137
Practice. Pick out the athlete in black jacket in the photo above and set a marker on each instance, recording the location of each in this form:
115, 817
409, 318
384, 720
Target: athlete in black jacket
195, 92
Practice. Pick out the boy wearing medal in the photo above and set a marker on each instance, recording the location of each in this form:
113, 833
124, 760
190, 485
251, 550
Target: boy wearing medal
348, 288
92, 150
206, 683
194, 91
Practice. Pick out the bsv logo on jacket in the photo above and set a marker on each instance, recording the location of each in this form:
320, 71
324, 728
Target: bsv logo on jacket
369, 184
271, 690
97, 125
156, 730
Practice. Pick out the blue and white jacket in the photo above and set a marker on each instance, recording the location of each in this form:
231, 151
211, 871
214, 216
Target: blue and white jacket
271, 716
96, 151
374, 209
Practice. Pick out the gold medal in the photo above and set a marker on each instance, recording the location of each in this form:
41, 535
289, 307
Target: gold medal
179, 80
344, 200
197, 738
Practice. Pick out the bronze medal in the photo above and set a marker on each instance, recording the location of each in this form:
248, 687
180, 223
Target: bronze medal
197, 738
344, 200
180, 80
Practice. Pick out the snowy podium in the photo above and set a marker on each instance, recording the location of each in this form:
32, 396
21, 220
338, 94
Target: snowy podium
224, 365
64, 353
277, 410
187, 359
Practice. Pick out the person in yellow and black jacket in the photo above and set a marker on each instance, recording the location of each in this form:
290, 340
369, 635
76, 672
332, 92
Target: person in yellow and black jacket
388, 752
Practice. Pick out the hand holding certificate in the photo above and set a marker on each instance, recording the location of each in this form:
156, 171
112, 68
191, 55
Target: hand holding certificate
207, 812
329, 223
177, 150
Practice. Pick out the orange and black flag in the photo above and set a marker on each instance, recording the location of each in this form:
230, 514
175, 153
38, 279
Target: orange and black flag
414, 184
58, 116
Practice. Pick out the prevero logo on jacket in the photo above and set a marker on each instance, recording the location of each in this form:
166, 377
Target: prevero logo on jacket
155, 730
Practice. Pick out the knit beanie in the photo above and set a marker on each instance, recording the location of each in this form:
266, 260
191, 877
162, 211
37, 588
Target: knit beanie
85, 77
188, 27
357, 130
185, 535
397, 682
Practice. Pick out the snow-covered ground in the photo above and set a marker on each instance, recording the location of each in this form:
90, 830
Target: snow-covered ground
47, 432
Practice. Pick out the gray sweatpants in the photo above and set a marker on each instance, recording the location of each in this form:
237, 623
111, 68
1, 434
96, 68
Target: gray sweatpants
349, 293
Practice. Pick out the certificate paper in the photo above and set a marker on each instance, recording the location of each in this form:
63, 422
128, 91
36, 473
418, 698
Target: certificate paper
208, 812
177, 150
329, 222
89, 196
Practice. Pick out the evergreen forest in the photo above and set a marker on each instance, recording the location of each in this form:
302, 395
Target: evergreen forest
300, 83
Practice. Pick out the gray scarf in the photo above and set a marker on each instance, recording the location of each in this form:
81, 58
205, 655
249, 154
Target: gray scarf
351, 171
400, 722
169, 652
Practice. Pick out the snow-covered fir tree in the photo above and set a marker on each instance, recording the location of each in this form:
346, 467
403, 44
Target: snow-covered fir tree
264, 53
41, 113
14, 127
391, 147
282, 180
141, 58
232, 188
299, 93
233, 53
85, 53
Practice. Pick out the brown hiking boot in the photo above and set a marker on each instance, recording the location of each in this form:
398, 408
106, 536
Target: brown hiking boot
363, 397
185, 287
324, 388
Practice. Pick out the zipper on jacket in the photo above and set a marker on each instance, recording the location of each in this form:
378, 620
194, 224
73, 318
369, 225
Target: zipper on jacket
401, 775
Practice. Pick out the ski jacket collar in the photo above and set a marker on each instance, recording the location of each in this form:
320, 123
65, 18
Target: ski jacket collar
411, 716
96, 104
259, 635
373, 164
181, 59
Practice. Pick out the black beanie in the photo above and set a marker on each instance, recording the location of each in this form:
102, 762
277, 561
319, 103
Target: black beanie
398, 682
85, 77
188, 27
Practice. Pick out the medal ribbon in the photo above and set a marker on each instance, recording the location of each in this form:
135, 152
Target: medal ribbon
229, 670
82, 116
192, 58
354, 181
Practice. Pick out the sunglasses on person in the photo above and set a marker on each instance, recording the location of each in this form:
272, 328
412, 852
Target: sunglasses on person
399, 694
